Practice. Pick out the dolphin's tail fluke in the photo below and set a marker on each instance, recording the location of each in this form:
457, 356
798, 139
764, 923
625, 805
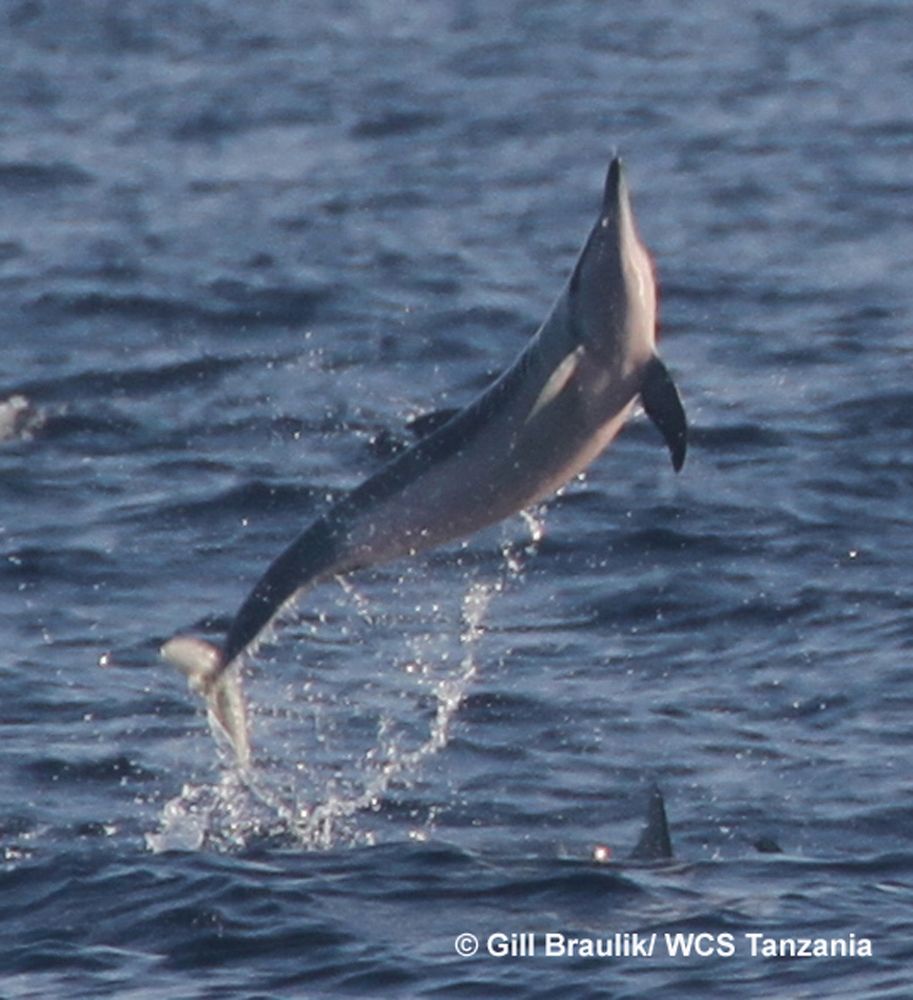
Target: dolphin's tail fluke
202, 664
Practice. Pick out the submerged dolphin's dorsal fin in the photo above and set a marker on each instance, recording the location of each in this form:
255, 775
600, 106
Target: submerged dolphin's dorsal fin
664, 407
655, 843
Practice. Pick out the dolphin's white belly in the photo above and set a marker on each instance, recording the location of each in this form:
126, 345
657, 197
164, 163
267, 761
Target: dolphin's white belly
503, 470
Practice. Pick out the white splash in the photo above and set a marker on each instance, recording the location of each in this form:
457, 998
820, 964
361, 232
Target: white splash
332, 749
20, 419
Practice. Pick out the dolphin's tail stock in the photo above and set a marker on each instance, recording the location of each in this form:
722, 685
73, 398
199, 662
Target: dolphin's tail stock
202, 663
215, 673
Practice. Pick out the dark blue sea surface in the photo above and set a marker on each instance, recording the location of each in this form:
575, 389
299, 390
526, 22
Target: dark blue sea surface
241, 245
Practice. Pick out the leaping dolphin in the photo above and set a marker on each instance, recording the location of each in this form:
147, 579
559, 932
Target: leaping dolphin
541, 423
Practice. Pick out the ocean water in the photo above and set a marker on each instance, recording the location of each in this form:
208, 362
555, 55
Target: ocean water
241, 245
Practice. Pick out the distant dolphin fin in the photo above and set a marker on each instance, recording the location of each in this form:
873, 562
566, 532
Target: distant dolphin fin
655, 843
664, 407
201, 663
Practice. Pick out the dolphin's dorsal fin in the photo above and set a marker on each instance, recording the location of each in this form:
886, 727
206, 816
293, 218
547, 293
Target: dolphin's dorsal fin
655, 843
427, 423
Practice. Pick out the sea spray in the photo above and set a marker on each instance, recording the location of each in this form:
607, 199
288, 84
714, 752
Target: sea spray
379, 695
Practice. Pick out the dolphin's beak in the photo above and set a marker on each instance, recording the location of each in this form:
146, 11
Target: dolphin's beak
616, 190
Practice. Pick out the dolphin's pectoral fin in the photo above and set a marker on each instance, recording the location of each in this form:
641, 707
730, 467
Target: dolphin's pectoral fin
664, 407
201, 663
557, 381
